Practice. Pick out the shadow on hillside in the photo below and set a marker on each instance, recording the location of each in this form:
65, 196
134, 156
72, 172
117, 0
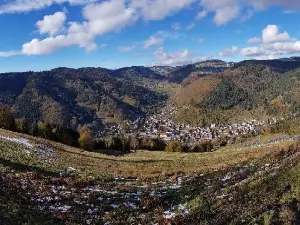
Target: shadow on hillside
26, 168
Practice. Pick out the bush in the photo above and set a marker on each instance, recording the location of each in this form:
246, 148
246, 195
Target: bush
85, 141
21, 126
45, 131
223, 143
174, 146
204, 147
7, 120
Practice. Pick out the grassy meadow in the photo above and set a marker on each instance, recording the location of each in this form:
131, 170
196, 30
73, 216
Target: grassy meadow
254, 182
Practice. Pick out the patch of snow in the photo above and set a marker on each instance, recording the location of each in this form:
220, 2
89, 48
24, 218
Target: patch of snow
130, 205
226, 178
91, 211
45, 154
64, 208
70, 169
221, 196
114, 206
53, 189
121, 179
183, 209
169, 215
22, 141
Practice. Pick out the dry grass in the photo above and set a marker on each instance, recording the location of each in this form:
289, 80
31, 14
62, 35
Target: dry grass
196, 91
147, 164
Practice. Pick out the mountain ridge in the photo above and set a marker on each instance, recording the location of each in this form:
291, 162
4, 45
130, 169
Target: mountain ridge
99, 96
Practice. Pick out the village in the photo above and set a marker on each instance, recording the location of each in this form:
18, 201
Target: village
160, 126
165, 129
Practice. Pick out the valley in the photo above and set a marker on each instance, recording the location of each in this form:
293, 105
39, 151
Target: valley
149, 112
207, 143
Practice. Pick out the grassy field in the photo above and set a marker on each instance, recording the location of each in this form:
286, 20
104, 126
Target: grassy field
254, 182
151, 164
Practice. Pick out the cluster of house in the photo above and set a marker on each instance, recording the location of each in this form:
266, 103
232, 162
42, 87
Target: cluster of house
167, 130
214, 64
211, 67
160, 126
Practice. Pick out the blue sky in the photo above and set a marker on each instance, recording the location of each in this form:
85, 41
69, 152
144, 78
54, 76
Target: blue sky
44, 34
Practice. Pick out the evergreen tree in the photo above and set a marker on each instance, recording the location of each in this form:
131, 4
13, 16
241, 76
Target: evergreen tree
7, 120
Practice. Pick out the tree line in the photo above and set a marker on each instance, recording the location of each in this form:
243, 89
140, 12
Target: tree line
84, 139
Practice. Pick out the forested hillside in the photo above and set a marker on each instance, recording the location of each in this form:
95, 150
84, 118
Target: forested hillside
76, 96
211, 91
249, 89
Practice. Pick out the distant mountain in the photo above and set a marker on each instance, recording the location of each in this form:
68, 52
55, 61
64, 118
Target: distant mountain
140, 72
279, 65
198, 70
213, 90
164, 70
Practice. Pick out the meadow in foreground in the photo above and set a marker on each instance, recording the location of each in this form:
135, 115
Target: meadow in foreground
48, 183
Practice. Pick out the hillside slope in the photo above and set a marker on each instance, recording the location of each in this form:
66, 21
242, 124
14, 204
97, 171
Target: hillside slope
249, 90
76, 96
212, 91
48, 183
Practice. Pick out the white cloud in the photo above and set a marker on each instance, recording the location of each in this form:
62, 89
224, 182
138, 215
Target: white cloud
247, 15
175, 59
286, 4
154, 40
52, 44
225, 15
9, 53
224, 10
107, 16
52, 24
176, 26
254, 40
229, 52
201, 15
104, 17
271, 35
18, 6
126, 48
253, 51
159, 9
273, 44
227, 10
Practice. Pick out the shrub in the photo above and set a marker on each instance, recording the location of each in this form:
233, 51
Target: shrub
204, 147
174, 146
85, 140
7, 120
21, 126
